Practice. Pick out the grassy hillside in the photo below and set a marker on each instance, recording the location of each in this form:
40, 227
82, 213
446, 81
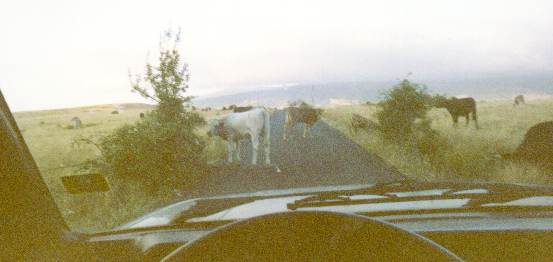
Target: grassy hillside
471, 154
49, 135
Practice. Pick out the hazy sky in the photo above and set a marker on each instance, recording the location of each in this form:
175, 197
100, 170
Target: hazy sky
65, 53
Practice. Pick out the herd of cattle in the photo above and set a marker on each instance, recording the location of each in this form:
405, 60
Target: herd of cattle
254, 123
247, 122
536, 147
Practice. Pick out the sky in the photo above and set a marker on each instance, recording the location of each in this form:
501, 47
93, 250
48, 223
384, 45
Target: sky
56, 54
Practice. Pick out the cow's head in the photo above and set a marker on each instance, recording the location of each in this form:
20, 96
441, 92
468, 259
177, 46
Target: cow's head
439, 101
215, 127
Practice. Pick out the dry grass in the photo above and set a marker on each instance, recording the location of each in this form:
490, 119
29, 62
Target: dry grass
51, 144
471, 154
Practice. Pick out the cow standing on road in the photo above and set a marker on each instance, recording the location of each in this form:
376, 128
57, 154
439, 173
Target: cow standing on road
459, 107
306, 115
234, 127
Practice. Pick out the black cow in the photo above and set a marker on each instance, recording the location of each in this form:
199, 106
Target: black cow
519, 100
536, 148
459, 107
238, 109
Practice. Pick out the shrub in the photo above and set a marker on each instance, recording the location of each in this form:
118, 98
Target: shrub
400, 109
155, 154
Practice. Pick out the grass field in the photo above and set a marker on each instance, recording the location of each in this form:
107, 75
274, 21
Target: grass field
472, 154
49, 135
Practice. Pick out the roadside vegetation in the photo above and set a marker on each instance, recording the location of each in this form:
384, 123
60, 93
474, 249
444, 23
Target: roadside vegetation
430, 148
57, 155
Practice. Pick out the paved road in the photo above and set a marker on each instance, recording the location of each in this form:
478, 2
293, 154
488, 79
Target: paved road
326, 158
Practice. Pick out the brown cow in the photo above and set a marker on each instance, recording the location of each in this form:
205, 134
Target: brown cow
306, 115
459, 107
360, 122
519, 100
536, 148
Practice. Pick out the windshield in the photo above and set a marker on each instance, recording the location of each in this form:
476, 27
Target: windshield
208, 98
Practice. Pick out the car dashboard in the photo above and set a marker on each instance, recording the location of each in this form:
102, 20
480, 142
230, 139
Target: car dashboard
479, 236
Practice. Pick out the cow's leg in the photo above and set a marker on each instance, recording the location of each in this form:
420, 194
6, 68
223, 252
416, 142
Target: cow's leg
230, 151
255, 146
467, 118
287, 124
455, 120
475, 120
267, 149
238, 150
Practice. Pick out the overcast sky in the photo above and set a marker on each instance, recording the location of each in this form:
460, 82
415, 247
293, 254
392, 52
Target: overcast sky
67, 53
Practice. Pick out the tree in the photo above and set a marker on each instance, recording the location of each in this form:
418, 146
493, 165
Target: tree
168, 81
161, 149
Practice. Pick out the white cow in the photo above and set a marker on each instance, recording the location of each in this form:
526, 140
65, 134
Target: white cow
236, 126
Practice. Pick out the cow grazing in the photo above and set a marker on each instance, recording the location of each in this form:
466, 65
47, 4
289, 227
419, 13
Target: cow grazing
459, 107
359, 122
238, 109
306, 115
536, 148
519, 100
234, 127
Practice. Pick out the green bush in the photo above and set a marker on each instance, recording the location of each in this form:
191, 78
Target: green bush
155, 153
401, 107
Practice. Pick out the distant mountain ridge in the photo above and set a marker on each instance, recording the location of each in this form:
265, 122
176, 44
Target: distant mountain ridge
355, 92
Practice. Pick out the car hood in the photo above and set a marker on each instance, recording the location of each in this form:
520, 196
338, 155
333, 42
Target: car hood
390, 201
